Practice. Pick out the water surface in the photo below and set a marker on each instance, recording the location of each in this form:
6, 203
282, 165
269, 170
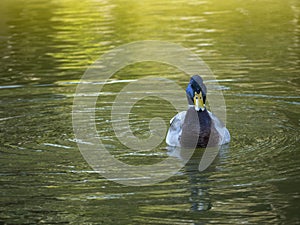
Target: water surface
252, 48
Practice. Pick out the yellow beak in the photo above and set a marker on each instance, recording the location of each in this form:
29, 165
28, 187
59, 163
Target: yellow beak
198, 102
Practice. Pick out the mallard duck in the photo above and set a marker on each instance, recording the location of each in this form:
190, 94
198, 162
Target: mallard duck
196, 127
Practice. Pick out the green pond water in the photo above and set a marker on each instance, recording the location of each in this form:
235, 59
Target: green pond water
252, 47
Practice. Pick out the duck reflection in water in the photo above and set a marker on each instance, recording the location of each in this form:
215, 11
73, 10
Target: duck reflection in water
199, 165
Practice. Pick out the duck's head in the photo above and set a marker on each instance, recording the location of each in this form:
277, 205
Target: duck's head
196, 93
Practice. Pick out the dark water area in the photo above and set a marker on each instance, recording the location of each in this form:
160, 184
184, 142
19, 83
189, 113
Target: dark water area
252, 47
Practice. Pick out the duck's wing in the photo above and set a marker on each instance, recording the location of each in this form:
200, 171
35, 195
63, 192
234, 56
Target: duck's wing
221, 129
174, 132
